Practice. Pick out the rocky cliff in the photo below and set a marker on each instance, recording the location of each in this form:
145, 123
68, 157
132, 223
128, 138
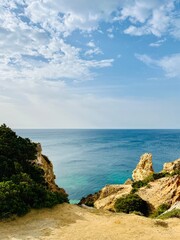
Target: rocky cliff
44, 163
163, 187
144, 168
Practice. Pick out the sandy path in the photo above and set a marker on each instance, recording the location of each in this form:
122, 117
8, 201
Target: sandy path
68, 222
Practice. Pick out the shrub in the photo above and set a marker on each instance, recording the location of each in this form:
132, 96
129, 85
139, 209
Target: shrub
22, 184
141, 183
161, 209
172, 214
131, 203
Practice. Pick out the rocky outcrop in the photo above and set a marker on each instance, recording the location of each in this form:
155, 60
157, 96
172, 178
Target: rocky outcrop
144, 168
163, 190
44, 163
109, 194
128, 181
170, 167
106, 197
89, 200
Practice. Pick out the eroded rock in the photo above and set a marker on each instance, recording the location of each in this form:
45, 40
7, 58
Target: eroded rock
144, 168
170, 167
44, 163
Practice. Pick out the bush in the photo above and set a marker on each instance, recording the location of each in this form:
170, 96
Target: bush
172, 214
161, 209
141, 183
131, 203
22, 184
11, 201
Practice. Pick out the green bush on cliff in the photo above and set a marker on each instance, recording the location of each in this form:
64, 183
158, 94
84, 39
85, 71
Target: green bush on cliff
141, 183
171, 214
22, 184
161, 209
132, 203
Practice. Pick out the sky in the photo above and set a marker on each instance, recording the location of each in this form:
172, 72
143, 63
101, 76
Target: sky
90, 64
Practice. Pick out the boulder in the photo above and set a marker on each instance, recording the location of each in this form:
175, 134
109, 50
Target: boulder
144, 168
172, 166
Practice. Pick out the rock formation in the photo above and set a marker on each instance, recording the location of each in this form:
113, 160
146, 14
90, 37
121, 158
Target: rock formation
165, 189
172, 166
44, 163
144, 168
109, 194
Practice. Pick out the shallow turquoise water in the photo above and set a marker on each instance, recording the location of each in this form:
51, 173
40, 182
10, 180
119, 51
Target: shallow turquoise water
86, 160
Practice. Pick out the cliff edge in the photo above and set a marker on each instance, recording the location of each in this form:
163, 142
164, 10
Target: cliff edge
46, 165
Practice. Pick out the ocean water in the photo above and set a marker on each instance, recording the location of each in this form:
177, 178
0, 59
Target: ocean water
86, 160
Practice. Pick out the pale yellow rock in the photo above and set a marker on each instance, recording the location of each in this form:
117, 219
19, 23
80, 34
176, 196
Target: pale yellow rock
163, 190
144, 168
172, 166
109, 194
128, 181
43, 162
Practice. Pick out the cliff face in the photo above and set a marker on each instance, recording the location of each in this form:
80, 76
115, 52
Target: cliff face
157, 192
43, 162
163, 190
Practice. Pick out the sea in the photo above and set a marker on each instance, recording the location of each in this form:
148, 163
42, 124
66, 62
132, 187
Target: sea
86, 160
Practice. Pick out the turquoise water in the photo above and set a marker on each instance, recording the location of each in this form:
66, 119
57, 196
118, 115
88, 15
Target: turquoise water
86, 160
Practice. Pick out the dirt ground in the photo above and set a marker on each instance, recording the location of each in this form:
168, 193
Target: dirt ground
70, 222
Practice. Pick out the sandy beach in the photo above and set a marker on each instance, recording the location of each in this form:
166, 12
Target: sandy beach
67, 222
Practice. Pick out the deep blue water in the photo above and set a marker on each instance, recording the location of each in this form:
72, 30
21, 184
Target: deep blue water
86, 160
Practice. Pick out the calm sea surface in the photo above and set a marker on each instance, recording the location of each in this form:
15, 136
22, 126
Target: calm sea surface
86, 160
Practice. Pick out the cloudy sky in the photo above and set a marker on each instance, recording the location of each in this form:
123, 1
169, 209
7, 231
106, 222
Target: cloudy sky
90, 64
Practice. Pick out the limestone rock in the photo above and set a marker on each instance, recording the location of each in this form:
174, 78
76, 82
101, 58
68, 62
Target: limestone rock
44, 163
172, 166
89, 200
109, 194
163, 190
128, 181
144, 168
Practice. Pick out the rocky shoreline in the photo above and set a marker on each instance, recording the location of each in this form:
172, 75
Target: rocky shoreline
160, 188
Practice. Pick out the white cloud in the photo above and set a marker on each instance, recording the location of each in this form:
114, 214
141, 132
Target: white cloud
33, 48
169, 64
148, 17
157, 43
91, 44
94, 50
145, 59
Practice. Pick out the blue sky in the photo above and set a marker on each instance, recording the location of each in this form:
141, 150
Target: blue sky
90, 64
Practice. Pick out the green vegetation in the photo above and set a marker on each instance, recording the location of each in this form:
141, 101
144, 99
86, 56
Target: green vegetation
22, 184
171, 214
161, 209
138, 184
132, 203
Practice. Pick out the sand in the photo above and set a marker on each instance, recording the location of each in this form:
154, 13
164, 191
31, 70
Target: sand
66, 222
